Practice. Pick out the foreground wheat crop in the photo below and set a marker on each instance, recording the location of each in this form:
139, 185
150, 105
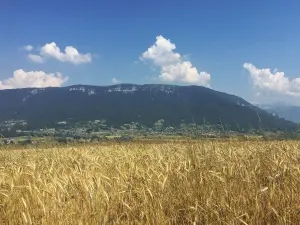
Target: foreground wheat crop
207, 182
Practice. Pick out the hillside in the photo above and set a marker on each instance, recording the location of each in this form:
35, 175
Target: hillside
126, 103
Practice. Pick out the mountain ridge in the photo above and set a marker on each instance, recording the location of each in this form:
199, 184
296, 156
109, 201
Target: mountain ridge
125, 103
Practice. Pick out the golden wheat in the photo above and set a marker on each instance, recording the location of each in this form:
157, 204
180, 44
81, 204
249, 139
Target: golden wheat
184, 182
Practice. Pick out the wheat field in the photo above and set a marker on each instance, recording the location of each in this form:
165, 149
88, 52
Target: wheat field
175, 182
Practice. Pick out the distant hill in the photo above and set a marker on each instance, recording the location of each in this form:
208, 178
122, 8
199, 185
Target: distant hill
125, 103
287, 112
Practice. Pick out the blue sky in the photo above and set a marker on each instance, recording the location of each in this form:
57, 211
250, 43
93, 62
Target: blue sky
215, 37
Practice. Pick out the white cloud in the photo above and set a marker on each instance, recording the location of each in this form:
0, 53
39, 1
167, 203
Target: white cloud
71, 54
172, 65
36, 58
275, 82
28, 48
161, 53
115, 81
38, 79
184, 72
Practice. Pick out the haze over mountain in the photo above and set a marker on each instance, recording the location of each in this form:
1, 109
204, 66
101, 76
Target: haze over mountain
126, 103
283, 110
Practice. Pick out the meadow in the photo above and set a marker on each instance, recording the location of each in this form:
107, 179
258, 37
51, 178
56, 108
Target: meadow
173, 182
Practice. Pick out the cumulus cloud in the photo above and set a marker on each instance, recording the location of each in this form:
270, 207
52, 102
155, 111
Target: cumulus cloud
37, 79
161, 53
70, 54
36, 58
115, 81
28, 48
276, 82
51, 50
172, 65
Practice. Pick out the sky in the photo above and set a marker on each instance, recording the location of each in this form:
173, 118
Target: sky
246, 48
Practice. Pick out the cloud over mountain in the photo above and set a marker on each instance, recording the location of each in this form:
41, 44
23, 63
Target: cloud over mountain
276, 82
173, 67
71, 54
115, 81
38, 79
51, 50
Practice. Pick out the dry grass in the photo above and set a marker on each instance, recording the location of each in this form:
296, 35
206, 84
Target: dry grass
229, 182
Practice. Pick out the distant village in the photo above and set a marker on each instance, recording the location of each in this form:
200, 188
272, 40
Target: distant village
93, 131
